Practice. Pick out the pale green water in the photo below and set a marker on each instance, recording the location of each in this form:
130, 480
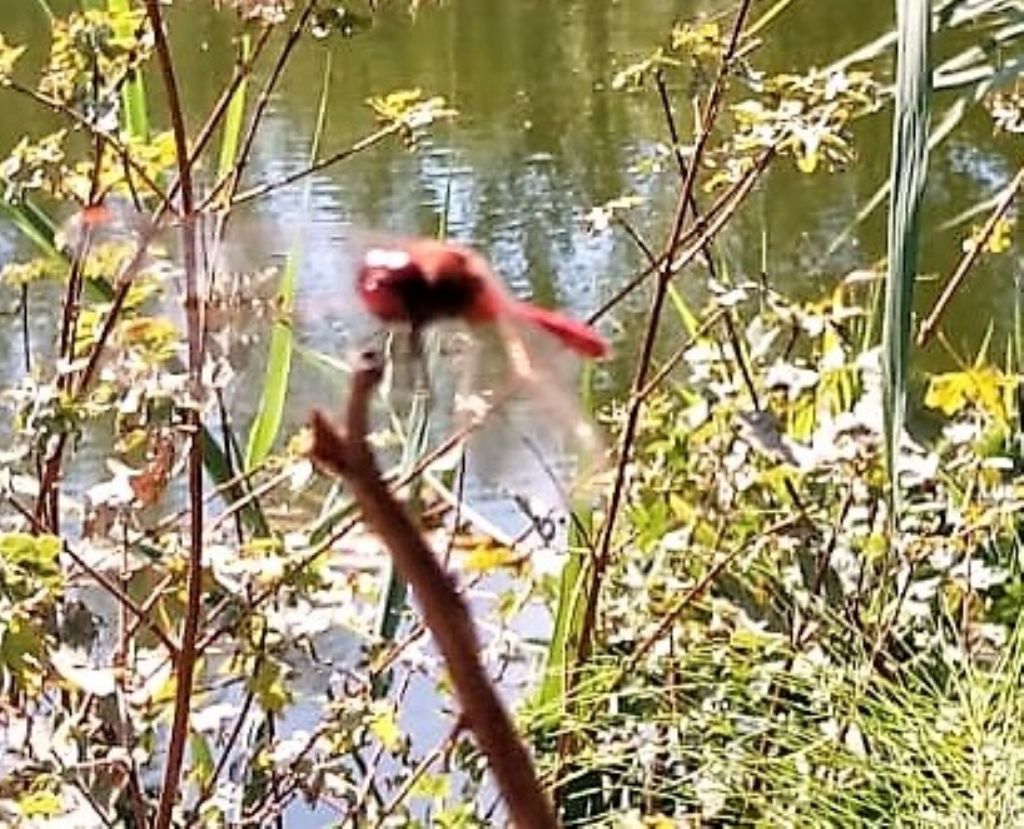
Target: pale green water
542, 138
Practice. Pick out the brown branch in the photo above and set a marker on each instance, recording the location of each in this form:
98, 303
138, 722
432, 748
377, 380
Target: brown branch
666, 270
185, 663
345, 452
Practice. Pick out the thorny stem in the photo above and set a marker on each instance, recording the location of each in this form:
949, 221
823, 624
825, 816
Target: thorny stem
347, 453
185, 663
321, 547
664, 274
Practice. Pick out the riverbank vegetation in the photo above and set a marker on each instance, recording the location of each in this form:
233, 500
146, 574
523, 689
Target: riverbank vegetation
788, 596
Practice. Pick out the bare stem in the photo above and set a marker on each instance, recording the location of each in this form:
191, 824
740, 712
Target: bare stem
967, 261
186, 660
667, 268
346, 452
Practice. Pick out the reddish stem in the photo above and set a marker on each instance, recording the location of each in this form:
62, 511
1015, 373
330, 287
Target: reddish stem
346, 453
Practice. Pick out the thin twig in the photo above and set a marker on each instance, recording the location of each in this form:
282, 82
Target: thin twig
665, 272
234, 176
116, 592
418, 772
346, 453
72, 114
703, 230
48, 501
969, 258
359, 146
706, 251
691, 595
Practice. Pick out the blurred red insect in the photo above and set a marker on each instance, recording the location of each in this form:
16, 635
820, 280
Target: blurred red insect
520, 355
421, 281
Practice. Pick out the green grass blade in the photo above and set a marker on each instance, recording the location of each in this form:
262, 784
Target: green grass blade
908, 168
233, 119
395, 597
568, 619
135, 118
45, 8
32, 223
216, 464
270, 411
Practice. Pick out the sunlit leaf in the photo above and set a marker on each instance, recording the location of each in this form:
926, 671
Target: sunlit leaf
384, 725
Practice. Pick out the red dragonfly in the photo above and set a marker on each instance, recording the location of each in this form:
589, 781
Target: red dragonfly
521, 353
420, 281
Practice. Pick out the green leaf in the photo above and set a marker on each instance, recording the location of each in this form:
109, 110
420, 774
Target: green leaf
31, 558
135, 117
231, 135
269, 686
270, 412
908, 174
215, 462
203, 762
33, 224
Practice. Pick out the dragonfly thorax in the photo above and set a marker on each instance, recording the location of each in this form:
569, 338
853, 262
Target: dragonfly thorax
424, 282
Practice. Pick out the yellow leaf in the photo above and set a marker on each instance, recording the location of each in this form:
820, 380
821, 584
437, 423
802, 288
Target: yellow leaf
434, 786
39, 804
947, 393
1001, 238
807, 162
8, 57
384, 726
488, 556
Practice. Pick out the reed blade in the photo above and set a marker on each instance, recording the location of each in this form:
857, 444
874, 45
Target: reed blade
908, 175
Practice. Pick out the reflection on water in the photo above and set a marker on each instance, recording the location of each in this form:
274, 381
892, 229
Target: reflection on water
542, 137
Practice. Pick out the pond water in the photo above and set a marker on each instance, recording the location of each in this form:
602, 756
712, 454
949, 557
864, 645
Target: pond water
542, 137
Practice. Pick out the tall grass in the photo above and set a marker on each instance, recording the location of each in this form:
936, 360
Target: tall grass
908, 174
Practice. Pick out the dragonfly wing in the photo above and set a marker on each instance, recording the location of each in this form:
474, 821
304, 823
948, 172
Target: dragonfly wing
534, 438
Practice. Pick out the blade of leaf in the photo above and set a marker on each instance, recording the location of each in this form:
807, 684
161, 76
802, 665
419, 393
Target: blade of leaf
33, 224
270, 411
216, 464
231, 136
909, 169
135, 118
275, 381
45, 8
